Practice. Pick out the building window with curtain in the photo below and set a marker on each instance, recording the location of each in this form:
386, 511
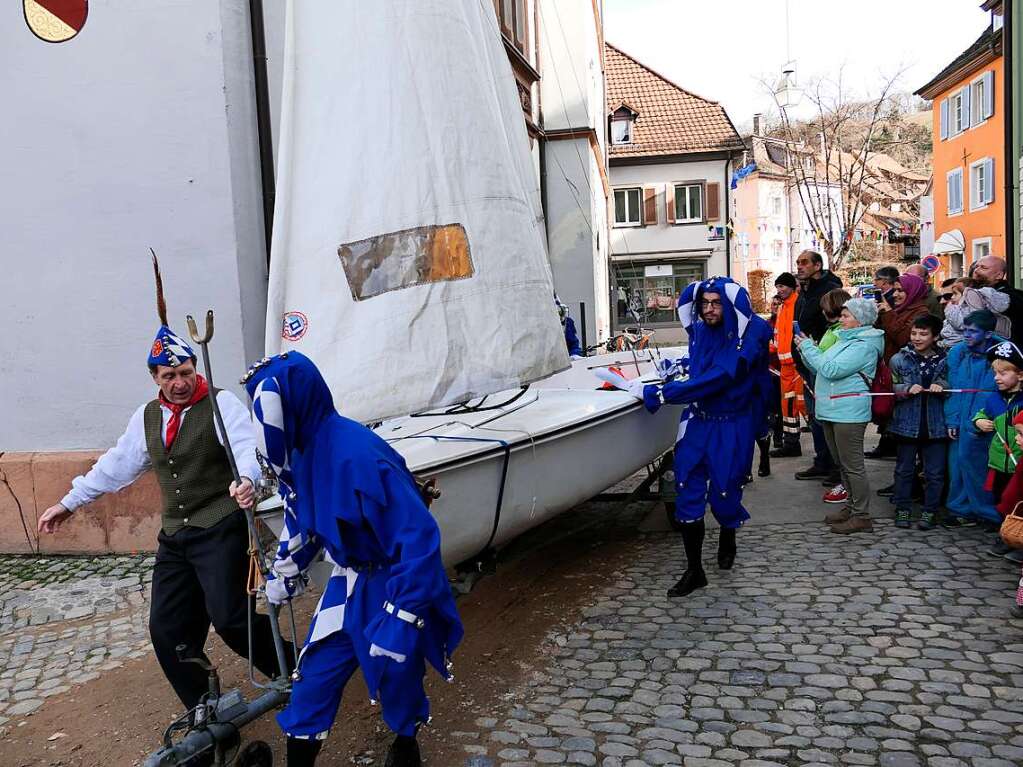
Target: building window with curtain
982, 183
688, 203
627, 207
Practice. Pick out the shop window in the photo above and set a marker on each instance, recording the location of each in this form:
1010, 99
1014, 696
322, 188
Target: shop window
647, 294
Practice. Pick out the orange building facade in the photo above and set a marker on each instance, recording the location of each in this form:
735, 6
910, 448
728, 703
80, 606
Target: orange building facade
969, 156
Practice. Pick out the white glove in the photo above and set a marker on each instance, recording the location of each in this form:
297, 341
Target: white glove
634, 387
280, 589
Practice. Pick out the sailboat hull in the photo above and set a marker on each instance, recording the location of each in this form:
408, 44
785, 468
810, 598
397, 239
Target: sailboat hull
505, 470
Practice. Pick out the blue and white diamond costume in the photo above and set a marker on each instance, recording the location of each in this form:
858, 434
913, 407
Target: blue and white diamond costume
717, 430
387, 607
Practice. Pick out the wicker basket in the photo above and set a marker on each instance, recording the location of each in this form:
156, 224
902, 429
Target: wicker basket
1012, 527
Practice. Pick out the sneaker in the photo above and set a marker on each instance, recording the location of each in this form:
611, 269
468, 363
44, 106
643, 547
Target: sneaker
954, 522
1016, 611
812, 473
839, 516
837, 494
888, 491
999, 548
853, 525
926, 521
1015, 556
902, 518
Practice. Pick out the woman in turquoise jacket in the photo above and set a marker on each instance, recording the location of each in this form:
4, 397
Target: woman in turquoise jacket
847, 368
968, 368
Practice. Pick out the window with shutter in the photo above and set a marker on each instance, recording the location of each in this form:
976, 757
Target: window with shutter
977, 101
943, 109
669, 203
964, 98
989, 180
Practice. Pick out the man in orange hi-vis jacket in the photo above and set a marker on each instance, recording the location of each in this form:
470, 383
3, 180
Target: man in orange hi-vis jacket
792, 406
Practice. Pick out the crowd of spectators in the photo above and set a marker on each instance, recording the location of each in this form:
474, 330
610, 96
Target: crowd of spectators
939, 372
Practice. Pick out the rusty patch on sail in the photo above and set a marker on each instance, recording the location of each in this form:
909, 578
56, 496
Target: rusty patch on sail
406, 258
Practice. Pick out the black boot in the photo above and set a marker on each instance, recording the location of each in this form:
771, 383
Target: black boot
765, 457
404, 752
726, 548
693, 578
302, 752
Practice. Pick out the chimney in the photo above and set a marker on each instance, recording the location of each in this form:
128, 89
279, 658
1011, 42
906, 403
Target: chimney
756, 124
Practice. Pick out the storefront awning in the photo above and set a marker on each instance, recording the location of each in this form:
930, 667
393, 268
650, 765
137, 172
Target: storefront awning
950, 242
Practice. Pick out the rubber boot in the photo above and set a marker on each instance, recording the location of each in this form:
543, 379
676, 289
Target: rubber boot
765, 457
404, 752
726, 548
302, 752
693, 578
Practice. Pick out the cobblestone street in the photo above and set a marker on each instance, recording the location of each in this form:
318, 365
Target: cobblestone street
893, 650
64, 620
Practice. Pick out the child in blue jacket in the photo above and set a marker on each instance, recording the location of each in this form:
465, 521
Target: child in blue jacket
918, 423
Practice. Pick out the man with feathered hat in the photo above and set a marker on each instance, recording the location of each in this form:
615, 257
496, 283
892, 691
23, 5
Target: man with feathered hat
202, 561
727, 353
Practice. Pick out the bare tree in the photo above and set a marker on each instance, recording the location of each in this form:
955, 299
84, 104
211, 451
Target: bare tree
828, 158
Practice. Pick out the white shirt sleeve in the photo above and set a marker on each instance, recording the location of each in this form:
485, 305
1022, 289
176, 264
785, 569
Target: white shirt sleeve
239, 427
121, 465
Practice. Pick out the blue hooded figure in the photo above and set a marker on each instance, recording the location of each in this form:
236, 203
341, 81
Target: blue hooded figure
724, 415
387, 607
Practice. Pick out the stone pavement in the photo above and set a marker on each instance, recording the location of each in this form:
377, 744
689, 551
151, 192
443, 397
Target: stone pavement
63, 620
894, 649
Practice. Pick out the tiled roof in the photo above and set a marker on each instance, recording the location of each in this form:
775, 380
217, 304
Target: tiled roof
989, 41
671, 119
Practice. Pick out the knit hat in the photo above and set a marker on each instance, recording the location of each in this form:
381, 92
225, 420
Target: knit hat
1006, 351
863, 310
786, 279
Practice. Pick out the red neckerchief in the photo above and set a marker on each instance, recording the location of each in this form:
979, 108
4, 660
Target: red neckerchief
201, 390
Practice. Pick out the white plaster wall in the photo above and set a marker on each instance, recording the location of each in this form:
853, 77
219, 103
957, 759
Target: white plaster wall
675, 238
139, 132
572, 96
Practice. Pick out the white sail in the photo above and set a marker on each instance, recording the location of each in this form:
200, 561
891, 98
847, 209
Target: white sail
408, 258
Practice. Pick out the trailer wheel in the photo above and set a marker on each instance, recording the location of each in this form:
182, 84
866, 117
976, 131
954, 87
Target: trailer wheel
257, 753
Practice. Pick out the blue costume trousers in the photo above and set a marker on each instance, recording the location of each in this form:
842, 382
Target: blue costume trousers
967, 470
325, 669
712, 456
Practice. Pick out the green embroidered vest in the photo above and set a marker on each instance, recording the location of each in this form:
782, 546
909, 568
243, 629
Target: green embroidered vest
194, 475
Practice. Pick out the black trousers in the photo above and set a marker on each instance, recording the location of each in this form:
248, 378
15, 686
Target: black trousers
200, 578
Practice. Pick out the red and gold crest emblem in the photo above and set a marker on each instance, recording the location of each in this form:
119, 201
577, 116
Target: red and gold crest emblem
55, 21
157, 349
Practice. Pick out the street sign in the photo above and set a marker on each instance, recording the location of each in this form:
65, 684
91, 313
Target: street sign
931, 263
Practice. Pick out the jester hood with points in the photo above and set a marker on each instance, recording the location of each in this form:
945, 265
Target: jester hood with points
724, 346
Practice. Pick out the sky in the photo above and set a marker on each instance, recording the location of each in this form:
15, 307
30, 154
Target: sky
722, 49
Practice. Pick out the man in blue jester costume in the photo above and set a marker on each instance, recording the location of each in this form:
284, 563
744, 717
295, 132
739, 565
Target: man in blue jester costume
717, 431
387, 607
